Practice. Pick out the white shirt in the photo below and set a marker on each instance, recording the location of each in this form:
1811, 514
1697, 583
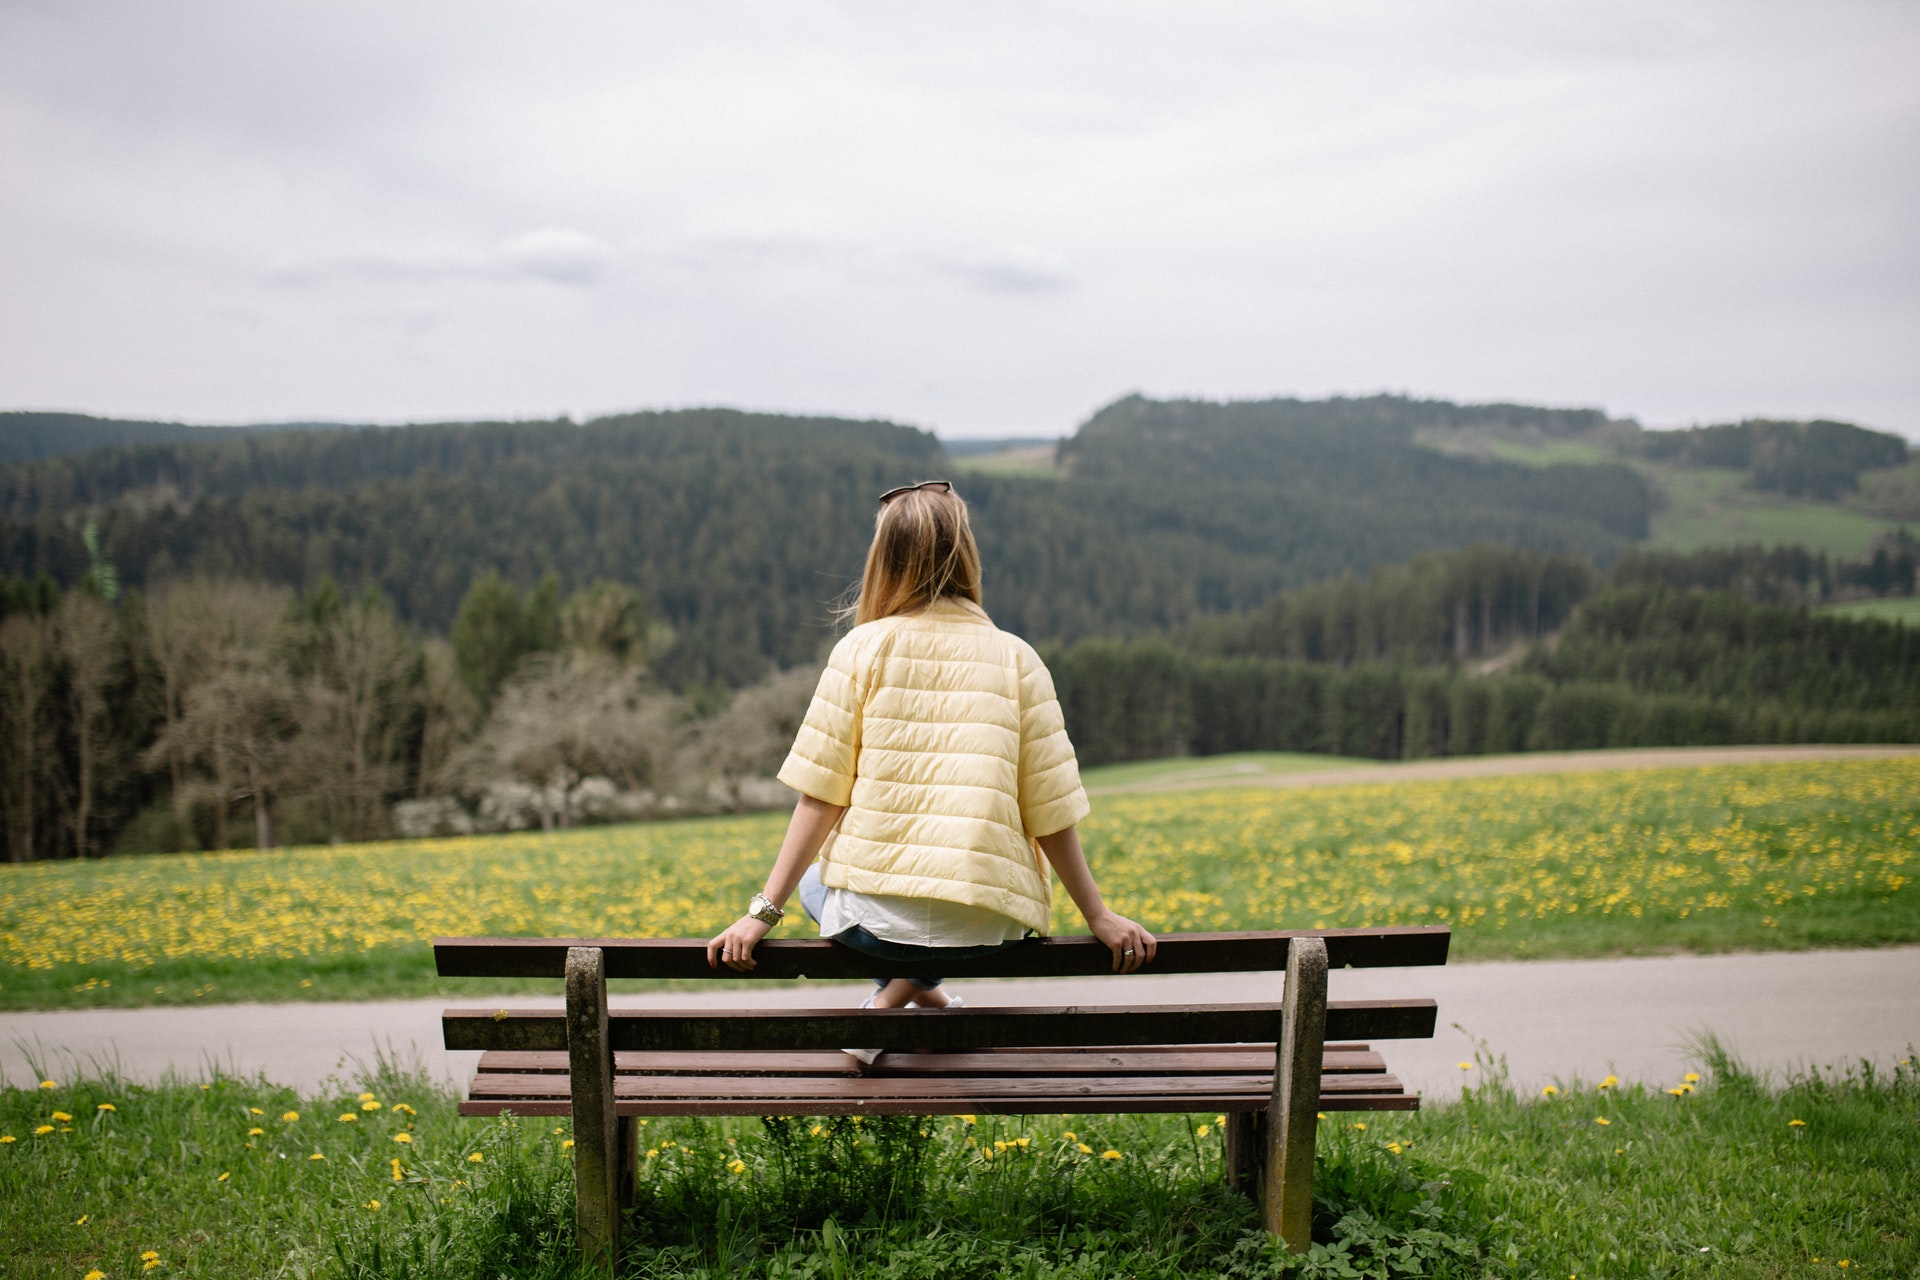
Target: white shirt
917, 922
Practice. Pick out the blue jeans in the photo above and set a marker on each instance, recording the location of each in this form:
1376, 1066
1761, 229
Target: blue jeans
813, 897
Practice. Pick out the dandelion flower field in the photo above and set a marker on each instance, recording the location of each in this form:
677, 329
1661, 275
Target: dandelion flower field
1758, 856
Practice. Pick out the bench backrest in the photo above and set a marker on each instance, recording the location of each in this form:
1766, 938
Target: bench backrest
1075, 956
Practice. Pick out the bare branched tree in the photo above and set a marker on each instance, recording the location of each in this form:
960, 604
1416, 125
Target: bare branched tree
88, 637
27, 648
565, 718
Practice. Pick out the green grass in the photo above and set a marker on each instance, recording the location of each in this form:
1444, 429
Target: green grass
1711, 507
1718, 1182
1195, 770
1904, 610
1709, 859
1528, 453
1034, 462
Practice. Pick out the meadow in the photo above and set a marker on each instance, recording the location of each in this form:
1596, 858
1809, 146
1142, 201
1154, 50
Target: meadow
1718, 1175
1712, 507
1904, 610
1754, 857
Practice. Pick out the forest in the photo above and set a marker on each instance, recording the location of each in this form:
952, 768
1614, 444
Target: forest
301, 634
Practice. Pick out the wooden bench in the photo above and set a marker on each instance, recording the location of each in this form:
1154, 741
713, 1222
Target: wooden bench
1269, 1066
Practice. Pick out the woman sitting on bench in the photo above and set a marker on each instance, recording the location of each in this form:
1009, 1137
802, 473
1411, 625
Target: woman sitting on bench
932, 764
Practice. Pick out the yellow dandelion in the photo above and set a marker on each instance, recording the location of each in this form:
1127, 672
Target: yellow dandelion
40, 1129
364, 1097
1084, 1149
1681, 1090
1070, 1135
652, 1152
106, 1106
966, 1119
404, 1139
1464, 1066
1796, 1124
49, 1084
347, 1117
316, 1156
1021, 1142
63, 1117
1549, 1091
373, 1204
151, 1255
256, 1132
1395, 1147
81, 1221
256, 1111
1361, 1127
1692, 1077
737, 1167
223, 1177
1609, 1082
289, 1116
370, 1105
395, 1162
1219, 1119
566, 1144
1203, 1131
1110, 1154
476, 1158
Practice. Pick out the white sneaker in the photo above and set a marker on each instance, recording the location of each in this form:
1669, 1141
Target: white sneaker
953, 1002
864, 1056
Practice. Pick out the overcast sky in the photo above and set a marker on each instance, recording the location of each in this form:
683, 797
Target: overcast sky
986, 219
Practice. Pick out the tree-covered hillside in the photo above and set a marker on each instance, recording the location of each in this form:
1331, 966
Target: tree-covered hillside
26, 435
739, 530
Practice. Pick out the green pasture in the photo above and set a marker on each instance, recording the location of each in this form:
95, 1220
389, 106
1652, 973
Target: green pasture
1713, 858
1727, 1177
1033, 462
1229, 769
1711, 507
1904, 610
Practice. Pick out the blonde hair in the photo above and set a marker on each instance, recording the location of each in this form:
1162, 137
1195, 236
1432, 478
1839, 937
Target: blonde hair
922, 550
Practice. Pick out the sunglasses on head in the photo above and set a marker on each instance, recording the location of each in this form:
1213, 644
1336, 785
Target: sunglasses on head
938, 486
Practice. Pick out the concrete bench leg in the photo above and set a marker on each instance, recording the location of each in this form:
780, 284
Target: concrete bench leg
1293, 1114
597, 1145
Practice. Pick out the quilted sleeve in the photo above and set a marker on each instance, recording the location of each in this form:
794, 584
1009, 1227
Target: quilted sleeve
826, 751
1051, 797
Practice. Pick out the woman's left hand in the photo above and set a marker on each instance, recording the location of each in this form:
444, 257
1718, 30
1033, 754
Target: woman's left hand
734, 948
1132, 946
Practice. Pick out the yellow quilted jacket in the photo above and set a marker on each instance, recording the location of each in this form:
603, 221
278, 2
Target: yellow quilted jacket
942, 736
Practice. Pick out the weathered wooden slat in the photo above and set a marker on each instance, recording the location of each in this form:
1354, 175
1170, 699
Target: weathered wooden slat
785, 1090
1039, 1105
1076, 956
1212, 1059
797, 1091
948, 1030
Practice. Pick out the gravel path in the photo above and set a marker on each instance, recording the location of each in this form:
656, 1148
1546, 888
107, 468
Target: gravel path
1551, 1018
1251, 774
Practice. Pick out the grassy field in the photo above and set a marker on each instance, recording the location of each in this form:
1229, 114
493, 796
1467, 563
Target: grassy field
1721, 1176
1904, 610
1197, 770
1710, 507
1719, 858
1033, 461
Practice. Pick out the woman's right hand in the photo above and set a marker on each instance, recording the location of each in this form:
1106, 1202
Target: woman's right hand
1132, 946
734, 947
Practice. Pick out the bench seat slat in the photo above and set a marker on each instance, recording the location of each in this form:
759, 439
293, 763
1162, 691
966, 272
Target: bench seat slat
780, 1090
1232, 1059
1072, 956
956, 1029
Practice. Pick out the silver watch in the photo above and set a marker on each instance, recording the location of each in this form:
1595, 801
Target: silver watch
763, 910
